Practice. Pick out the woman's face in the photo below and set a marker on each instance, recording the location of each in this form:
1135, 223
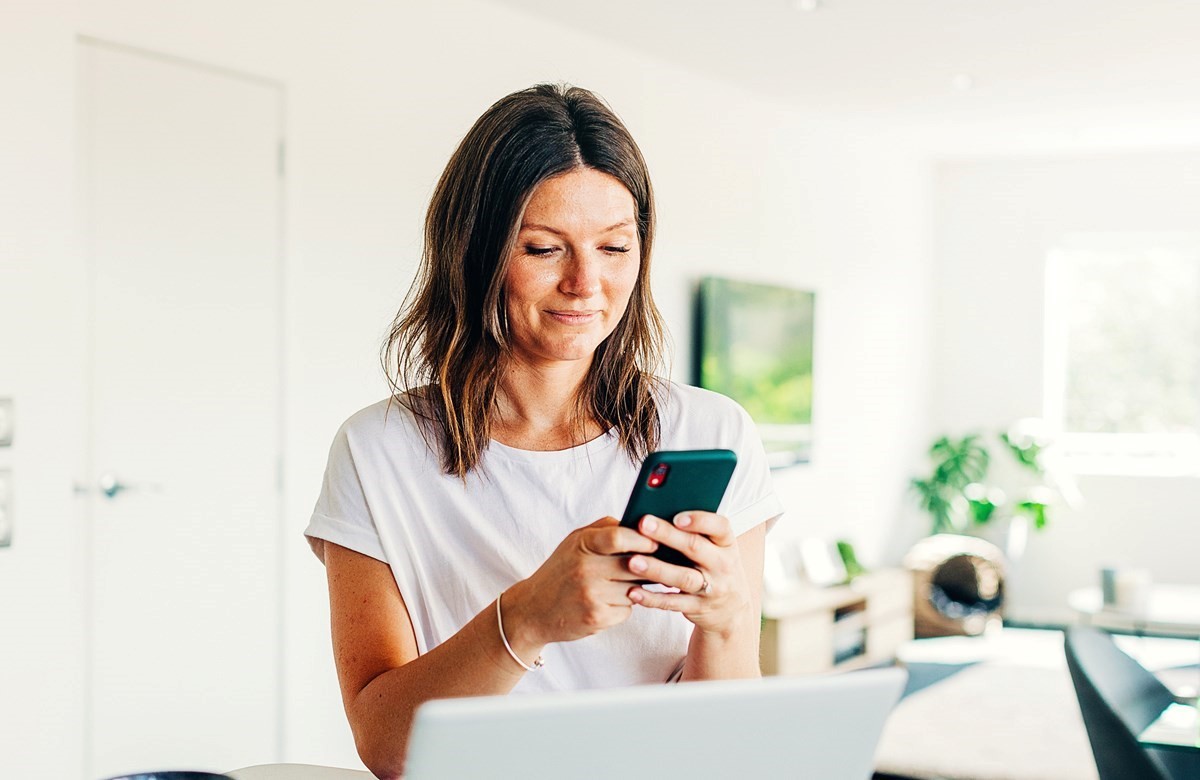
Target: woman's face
574, 267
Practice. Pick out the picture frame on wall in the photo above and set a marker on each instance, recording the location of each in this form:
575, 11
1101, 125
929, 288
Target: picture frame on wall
754, 343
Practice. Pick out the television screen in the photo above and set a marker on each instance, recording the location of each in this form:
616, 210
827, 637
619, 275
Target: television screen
754, 343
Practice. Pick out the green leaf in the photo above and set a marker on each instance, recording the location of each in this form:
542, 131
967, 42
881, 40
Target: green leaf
1036, 511
1028, 455
849, 559
982, 510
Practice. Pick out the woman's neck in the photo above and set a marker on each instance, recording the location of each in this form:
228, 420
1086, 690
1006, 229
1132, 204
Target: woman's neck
537, 406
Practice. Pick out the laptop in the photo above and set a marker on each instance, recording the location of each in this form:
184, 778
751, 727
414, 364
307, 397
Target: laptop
824, 728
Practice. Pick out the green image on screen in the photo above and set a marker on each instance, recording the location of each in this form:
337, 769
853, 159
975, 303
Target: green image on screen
755, 344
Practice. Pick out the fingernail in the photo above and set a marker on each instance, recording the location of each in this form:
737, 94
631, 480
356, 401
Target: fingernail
637, 564
649, 524
635, 595
683, 521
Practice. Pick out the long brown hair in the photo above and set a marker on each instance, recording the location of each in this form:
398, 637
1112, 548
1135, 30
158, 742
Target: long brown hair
449, 342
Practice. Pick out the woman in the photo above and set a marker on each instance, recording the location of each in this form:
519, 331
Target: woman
466, 523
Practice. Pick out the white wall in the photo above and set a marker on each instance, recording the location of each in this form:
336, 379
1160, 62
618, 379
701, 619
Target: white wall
378, 94
996, 220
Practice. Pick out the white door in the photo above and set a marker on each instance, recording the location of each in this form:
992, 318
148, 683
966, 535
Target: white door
181, 207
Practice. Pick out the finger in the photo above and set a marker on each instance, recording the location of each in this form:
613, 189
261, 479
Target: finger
697, 547
670, 602
615, 568
715, 527
610, 582
685, 578
615, 540
615, 595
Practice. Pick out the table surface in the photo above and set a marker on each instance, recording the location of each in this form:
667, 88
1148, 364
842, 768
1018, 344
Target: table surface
1173, 608
1177, 728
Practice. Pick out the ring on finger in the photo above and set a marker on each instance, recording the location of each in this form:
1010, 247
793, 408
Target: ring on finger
705, 588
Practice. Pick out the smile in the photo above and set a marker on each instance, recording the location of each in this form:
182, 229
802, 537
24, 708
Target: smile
574, 317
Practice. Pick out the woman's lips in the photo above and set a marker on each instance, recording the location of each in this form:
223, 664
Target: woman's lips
573, 317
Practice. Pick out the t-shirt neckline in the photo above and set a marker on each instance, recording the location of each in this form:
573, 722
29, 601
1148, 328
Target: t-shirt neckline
596, 446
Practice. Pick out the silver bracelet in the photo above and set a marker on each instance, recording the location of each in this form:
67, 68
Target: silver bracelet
538, 663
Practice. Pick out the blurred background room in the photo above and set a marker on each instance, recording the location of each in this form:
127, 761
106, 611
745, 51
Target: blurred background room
210, 212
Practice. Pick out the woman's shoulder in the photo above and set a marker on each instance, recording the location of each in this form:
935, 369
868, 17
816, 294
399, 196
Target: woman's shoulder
393, 418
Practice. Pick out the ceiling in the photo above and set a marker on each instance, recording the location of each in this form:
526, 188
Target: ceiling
1121, 70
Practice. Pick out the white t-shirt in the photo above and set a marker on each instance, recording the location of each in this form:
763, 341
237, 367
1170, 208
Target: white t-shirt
453, 546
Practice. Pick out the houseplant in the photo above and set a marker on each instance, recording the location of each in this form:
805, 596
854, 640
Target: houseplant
979, 480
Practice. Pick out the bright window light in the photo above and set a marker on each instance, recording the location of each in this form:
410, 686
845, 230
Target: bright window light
1123, 351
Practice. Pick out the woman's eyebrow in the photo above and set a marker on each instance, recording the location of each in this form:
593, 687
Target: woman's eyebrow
548, 229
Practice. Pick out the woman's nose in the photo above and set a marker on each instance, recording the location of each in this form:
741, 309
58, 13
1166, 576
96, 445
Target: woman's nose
582, 275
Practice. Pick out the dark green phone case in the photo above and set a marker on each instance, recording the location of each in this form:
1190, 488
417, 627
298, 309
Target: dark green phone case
696, 479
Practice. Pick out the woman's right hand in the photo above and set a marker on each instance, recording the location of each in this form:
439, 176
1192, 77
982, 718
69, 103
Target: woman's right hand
580, 590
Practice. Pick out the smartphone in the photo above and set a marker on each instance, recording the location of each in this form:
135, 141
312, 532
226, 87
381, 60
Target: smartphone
671, 482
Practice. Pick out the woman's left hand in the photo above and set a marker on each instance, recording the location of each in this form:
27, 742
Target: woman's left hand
713, 595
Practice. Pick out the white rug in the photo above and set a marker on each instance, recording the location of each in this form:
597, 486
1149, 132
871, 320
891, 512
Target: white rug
1011, 716
990, 722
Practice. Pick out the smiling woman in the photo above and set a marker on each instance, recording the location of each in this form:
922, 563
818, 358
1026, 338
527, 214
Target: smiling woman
544, 182
568, 282
458, 517
570, 276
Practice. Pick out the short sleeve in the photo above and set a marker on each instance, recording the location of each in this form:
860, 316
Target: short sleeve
750, 498
342, 515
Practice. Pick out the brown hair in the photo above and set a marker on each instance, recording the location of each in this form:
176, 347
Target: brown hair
449, 342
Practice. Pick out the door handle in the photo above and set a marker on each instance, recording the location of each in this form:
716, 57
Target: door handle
109, 485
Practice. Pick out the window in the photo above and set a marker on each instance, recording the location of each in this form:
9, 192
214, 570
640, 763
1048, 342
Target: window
1123, 351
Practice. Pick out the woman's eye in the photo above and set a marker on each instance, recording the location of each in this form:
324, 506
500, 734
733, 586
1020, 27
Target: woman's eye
616, 250
539, 251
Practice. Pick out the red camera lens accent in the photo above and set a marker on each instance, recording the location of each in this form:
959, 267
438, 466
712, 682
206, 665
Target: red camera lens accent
658, 475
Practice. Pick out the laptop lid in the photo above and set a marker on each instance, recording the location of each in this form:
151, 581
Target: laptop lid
812, 727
